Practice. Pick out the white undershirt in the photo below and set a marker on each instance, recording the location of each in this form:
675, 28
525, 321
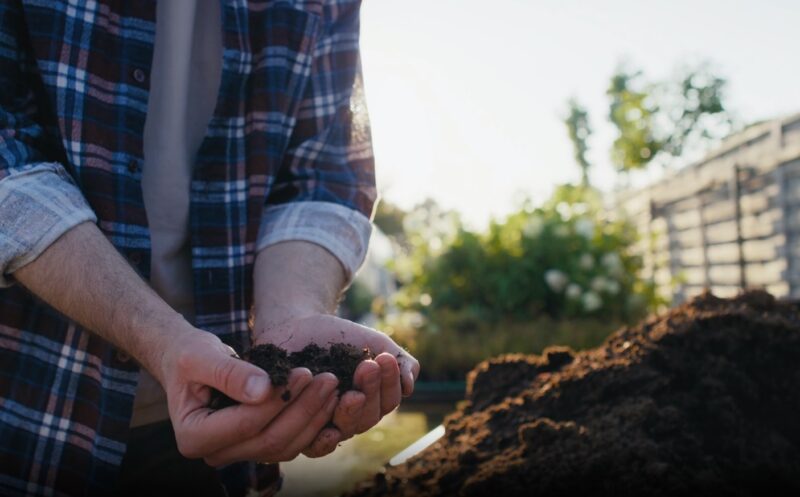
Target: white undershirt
185, 79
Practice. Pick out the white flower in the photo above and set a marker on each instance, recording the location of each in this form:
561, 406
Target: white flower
574, 291
599, 284
533, 227
591, 301
612, 261
584, 227
586, 261
612, 287
561, 231
556, 279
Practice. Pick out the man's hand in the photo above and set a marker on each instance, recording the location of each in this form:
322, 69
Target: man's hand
297, 289
262, 428
379, 383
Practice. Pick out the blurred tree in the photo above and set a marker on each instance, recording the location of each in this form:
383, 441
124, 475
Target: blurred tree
389, 218
697, 109
577, 122
631, 111
661, 121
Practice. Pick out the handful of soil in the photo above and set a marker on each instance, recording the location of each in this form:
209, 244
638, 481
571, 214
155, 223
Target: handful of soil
701, 401
340, 359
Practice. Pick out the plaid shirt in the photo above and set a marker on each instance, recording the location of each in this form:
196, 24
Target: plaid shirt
289, 126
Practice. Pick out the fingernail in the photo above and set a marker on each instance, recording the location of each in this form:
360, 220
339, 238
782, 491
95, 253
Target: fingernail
256, 387
409, 383
326, 388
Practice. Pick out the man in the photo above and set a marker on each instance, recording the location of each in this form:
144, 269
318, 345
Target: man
221, 150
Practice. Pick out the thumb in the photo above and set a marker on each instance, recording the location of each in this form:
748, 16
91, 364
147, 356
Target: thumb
232, 376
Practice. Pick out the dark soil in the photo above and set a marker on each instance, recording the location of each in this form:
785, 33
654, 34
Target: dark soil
340, 359
704, 400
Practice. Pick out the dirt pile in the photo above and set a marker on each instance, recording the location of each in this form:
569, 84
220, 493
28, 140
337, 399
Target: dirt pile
704, 400
340, 359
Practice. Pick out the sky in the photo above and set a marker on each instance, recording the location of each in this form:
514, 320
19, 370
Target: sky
466, 97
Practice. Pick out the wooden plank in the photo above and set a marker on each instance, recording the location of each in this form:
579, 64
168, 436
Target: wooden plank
766, 273
725, 291
693, 275
692, 256
721, 232
724, 274
686, 239
780, 289
727, 253
762, 225
722, 210
755, 202
685, 219
762, 250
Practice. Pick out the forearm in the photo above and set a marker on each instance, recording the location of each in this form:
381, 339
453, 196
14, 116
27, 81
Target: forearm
86, 279
292, 279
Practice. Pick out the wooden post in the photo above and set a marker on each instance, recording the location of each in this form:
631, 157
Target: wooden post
703, 241
736, 187
783, 201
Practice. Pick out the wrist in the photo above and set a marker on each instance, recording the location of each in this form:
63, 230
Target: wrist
153, 337
276, 318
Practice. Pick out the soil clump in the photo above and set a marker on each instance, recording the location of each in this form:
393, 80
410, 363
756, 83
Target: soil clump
703, 400
340, 359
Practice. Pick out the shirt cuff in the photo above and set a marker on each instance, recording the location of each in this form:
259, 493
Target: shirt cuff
344, 232
38, 204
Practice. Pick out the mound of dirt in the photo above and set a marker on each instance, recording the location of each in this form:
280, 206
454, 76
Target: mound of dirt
341, 359
704, 400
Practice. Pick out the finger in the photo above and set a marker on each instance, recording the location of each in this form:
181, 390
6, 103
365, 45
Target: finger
409, 366
205, 431
390, 383
325, 443
278, 435
234, 377
312, 430
409, 372
348, 413
367, 378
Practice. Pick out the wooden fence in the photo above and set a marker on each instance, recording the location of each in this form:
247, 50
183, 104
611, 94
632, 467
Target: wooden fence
728, 222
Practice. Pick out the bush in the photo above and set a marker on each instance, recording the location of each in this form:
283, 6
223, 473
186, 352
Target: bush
457, 341
565, 259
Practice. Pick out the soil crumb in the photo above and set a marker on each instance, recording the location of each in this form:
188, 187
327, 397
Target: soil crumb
340, 359
704, 400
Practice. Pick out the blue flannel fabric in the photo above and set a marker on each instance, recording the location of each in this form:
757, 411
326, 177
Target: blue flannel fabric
289, 126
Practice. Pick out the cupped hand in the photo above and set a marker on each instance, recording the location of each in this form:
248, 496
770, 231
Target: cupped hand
263, 427
379, 384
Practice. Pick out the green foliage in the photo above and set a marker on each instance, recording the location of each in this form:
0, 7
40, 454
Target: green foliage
577, 122
659, 121
357, 301
632, 111
389, 218
564, 259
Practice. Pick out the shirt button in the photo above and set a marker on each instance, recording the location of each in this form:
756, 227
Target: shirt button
123, 357
139, 75
133, 166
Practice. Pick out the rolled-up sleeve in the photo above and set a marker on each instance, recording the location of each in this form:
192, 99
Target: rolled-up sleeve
342, 231
38, 204
329, 157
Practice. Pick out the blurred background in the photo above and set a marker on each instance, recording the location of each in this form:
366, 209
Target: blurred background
551, 171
